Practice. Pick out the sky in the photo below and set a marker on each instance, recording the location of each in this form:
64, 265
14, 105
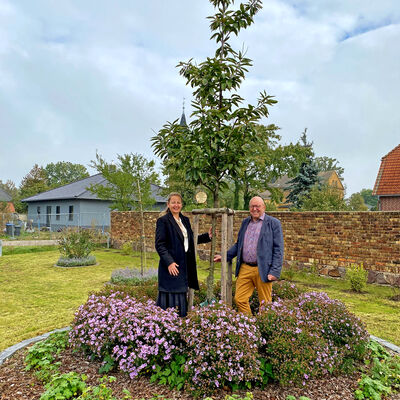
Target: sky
82, 76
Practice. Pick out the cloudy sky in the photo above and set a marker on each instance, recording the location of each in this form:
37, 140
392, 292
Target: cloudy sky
81, 75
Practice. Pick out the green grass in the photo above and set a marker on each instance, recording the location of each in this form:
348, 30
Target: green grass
26, 249
37, 297
373, 306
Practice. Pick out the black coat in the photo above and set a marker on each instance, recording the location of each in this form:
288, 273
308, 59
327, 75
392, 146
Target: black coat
170, 247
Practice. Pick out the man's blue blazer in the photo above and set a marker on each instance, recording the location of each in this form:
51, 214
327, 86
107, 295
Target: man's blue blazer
269, 248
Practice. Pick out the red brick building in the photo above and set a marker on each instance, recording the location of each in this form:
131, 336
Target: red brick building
387, 184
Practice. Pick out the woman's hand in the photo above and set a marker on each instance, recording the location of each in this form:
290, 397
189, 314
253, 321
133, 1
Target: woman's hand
173, 269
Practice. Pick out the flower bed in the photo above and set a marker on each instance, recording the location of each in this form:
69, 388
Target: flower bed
298, 337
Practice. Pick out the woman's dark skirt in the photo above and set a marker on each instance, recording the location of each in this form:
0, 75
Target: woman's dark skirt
173, 300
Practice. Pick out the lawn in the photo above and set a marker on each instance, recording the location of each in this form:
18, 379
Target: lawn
37, 297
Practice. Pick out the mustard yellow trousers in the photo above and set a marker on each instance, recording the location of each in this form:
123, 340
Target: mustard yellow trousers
248, 279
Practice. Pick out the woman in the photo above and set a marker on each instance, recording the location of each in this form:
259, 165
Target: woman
175, 246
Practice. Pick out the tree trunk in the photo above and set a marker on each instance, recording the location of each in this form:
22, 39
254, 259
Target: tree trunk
236, 195
210, 278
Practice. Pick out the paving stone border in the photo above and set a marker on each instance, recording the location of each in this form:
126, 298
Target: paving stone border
7, 353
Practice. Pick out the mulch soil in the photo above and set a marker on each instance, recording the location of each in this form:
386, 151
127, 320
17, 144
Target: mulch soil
18, 384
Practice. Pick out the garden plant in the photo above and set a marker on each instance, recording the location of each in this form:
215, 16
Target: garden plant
75, 245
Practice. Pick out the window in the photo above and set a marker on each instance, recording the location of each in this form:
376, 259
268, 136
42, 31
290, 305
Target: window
38, 210
57, 213
71, 213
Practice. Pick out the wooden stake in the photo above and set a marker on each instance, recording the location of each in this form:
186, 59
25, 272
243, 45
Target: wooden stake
229, 268
195, 235
224, 231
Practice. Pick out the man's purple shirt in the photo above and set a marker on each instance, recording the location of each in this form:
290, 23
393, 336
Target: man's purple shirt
251, 240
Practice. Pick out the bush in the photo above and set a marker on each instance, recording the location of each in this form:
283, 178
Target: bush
295, 352
127, 248
357, 277
125, 331
132, 276
76, 243
76, 262
221, 347
345, 333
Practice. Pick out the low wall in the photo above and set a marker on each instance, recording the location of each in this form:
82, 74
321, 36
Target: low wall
329, 240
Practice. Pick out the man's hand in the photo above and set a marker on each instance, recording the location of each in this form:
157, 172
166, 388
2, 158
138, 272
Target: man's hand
217, 258
210, 232
272, 278
173, 269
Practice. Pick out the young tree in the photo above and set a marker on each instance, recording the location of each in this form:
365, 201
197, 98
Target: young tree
129, 186
64, 172
128, 180
211, 148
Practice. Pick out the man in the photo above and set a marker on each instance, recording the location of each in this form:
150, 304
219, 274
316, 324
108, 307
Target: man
259, 252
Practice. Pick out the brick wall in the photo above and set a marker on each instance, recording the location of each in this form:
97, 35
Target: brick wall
389, 203
331, 240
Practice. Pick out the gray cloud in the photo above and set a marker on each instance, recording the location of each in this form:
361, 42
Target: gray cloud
80, 76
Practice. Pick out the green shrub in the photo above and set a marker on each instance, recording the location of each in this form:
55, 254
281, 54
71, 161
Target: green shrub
76, 243
141, 292
76, 262
357, 277
127, 248
289, 270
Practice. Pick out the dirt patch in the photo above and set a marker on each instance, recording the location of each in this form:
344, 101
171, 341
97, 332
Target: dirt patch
395, 298
18, 384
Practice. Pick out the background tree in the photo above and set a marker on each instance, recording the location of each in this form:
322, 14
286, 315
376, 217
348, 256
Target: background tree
323, 198
303, 183
369, 199
211, 148
33, 183
64, 172
329, 164
356, 203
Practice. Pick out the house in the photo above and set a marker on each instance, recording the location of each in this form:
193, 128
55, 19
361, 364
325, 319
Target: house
5, 197
75, 205
387, 184
329, 178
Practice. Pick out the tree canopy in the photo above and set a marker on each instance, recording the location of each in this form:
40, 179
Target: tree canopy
64, 172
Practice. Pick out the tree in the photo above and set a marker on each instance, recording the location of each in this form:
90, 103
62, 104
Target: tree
211, 148
329, 164
64, 172
33, 183
302, 184
369, 199
356, 202
129, 181
265, 162
128, 187
9, 187
324, 198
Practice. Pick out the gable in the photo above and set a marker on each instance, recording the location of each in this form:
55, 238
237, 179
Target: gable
388, 178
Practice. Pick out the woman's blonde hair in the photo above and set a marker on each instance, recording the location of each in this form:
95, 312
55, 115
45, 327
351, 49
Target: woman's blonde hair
166, 210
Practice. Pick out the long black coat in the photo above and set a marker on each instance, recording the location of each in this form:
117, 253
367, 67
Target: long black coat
170, 247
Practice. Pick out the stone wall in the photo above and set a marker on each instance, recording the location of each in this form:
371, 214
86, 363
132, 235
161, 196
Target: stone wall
329, 240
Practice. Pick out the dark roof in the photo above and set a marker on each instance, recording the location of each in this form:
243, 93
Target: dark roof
388, 179
4, 196
183, 119
79, 190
